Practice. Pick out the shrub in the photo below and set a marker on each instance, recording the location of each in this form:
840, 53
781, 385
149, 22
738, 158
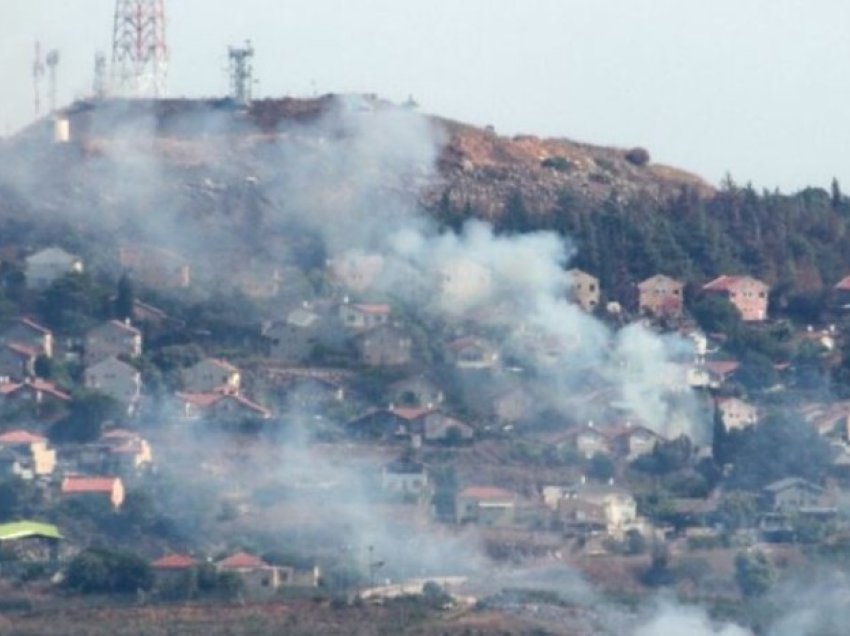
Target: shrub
638, 156
561, 164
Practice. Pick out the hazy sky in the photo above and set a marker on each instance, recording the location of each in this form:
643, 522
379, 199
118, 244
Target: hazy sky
758, 88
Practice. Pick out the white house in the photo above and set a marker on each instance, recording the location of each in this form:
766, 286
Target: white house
45, 266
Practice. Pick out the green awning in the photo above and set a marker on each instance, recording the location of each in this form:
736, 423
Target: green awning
27, 529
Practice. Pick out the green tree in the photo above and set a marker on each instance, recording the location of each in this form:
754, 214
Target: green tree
783, 445
125, 298
73, 302
754, 573
89, 410
100, 570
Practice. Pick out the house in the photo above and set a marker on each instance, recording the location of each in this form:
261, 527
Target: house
584, 289
486, 506
48, 265
617, 504
472, 353
588, 441
404, 477
259, 579
30, 452
29, 334
462, 283
415, 391
513, 406
720, 371
632, 441
359, 317
748, 295
40, 396
172, 570
225, 405
294, 339
830, 419
356, 270
111, 488
155, 267
841, 294
112, 338
17, 361
308, 388
126, 451
736, 413
796, 495
385, 345
435, 427
388, 424
661, 296
117, 379
211, 374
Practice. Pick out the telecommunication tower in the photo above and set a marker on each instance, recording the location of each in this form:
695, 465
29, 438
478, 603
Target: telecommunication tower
52, 61
139, 51
241, 72
37, 74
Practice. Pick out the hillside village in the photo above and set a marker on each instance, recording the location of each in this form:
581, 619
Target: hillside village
120, 387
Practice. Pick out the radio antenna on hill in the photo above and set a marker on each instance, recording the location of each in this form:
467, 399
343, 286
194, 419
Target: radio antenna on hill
241, 72
52, 60
139, 50
37, 75
99, 84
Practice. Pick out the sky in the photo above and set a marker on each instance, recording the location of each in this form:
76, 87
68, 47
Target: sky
755, 88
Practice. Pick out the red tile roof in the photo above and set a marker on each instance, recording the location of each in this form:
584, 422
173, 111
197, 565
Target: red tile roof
373, 309
223, 364
843, 284
729, 283
242, 561
78, 484
48, 387
21, 437
22, 350
174, 562
722, 367
487, 493
28, 322
207, 400
410, 413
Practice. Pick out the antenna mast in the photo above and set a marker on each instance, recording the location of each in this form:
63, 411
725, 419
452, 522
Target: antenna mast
52, 60
139, 50
241, 72
37, 74
99, 84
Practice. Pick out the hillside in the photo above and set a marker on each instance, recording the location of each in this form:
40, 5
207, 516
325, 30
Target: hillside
214, 169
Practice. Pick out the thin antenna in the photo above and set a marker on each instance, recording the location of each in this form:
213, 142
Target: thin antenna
52, 63
99, 84
37, 75
241, 72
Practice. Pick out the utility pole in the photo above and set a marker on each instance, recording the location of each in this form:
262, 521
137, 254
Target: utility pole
139, 49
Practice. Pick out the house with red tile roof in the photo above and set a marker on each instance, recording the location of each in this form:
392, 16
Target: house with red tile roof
111, 488
360, 316
211, 374
38, 397
661, 296
219, 404
747, 294
17, 361
840, 296
30, 454
486, 506
25, 331
112, 338
259, 579
172, 569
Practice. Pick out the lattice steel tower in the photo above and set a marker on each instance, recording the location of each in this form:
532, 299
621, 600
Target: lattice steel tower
139, 51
